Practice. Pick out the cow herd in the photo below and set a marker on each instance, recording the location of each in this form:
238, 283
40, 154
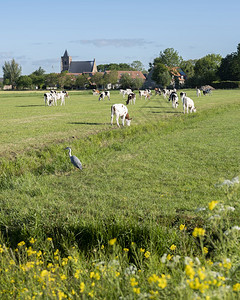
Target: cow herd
120, 110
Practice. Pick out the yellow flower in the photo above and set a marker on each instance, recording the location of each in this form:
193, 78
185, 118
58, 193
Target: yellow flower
173, 247
82, 287
189, 271
91, 294
117, 274
21, 244
32, 241
133, 281
212, 204
198, 232
63, 277
169, 257
136, 290
61, 295
236, 287
92, 274
147, 254
142, 250
112, 242
205, 250
102, 247
182, 227
44, 274
49, 239
162, 282
126, 249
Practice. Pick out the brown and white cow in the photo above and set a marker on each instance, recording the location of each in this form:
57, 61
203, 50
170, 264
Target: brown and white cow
120, 110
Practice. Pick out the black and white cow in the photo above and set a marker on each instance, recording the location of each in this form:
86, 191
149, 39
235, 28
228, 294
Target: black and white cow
174, 98
103, 95
131, 99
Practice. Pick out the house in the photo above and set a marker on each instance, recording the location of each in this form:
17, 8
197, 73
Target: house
177, 73
77, 67
132, 74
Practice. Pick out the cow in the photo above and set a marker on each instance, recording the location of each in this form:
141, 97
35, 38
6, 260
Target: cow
95, 92
187, 103
103, 95
174, 98
131, 98
198, 91
120, 110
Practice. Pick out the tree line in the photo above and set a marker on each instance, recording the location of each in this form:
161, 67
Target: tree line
210, 69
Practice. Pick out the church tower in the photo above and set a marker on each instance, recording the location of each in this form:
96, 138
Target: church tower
65, 61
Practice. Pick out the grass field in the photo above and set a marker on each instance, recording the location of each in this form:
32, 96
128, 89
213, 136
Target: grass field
149, 186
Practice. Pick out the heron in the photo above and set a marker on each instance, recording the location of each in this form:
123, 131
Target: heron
74, 160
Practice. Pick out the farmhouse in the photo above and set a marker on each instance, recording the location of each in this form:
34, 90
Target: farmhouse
77, 67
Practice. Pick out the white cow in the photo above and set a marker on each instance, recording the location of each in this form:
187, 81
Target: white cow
120, 110
187, 103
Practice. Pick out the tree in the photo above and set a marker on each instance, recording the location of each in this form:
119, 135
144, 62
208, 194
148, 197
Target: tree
126, 81
188, 67
51, 80
206, 68
230, 66
24, 82
39, 72
97, 79
161, 75
11, 72
82, 81
169, 57
110, 77
137, 83
137, 65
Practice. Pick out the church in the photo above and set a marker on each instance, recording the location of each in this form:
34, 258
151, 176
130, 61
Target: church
77, 67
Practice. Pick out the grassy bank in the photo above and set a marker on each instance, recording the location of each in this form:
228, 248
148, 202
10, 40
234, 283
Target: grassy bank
138, 185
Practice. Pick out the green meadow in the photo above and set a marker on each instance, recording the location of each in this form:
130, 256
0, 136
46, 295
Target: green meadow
154, 214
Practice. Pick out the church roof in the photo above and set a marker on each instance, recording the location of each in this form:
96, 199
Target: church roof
65, 53
81, 66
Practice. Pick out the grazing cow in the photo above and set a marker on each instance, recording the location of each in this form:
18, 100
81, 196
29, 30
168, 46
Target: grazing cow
131, 98
95, 92
174, 98
103, 95
198, 92
120, 110
207, 91
145, 93
158, 91
187, 103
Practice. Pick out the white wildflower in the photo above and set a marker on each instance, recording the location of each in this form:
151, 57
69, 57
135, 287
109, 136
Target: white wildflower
228, 182
131, 270
231, 208
187, 260
164, 258
197, 261
214, 217
200, 209
235, 228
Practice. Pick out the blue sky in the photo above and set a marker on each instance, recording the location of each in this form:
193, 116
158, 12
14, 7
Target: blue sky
37, 33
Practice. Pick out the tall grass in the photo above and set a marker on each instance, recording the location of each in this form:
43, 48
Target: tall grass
114, 230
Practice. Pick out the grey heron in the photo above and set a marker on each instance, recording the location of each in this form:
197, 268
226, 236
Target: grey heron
74, 160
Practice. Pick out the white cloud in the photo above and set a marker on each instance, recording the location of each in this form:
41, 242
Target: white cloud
114, 42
